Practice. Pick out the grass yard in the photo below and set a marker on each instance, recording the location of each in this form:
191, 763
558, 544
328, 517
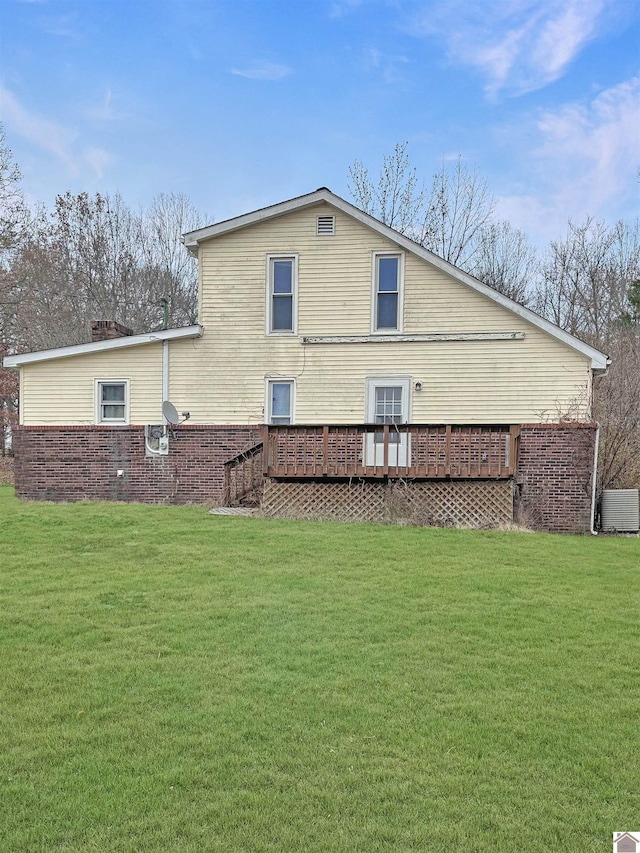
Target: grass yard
173, 681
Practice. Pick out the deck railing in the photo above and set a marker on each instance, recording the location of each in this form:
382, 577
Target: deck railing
244, 477
395, 451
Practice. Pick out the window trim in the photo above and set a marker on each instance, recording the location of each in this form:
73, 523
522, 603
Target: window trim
402, 448
270, 381
282, 256
98, 402
386, 330
372, 382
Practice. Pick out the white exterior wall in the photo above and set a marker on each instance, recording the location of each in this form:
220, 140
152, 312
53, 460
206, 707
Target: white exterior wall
62, 391
220, 377
504, 381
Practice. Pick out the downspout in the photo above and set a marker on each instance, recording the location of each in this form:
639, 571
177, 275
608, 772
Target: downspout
165, 375
592, 529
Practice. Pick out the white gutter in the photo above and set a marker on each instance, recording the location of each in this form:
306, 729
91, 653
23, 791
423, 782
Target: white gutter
102, 346
592, 529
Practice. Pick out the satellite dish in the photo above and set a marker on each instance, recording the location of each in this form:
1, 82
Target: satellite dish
170, 413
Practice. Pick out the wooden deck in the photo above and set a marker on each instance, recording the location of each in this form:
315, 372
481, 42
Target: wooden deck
374, 452
390, 451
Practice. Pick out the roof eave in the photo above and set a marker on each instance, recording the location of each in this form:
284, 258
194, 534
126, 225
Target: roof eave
192, 239
599, 361
16, 361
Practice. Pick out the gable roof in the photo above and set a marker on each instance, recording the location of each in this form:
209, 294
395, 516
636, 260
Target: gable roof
193, 239
102, 346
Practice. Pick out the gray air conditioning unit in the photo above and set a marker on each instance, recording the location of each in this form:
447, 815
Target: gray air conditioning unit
156, 440
620, 510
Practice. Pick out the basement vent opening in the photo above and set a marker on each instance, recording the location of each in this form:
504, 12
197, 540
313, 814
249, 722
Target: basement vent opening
326, 226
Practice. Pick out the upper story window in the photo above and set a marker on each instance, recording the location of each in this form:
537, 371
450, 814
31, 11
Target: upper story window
282, 287
387, 292
112, 401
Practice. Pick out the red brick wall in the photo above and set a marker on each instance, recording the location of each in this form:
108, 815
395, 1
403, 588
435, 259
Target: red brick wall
81, 463
554, 480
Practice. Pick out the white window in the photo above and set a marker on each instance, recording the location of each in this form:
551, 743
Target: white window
280, 399
386, 315
282, 294
112, 401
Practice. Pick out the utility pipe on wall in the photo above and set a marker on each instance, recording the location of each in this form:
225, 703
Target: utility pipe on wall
165, 375
594, 482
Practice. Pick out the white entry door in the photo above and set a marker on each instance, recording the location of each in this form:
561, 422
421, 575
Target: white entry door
388, 403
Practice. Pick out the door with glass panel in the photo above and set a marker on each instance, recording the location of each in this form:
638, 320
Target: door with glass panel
387, 403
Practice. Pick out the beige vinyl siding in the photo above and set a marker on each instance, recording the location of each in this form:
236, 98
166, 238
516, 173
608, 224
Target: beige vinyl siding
62, 391
220, 378
506, 381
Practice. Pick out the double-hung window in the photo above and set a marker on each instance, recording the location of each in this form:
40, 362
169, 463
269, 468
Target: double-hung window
387, 293
282, 283
112, 401
280, 393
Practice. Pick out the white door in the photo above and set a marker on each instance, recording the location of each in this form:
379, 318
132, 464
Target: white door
387, 403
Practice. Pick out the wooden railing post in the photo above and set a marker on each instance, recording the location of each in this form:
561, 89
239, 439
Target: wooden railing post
325, 450
447, 451
385, 449
266, 448
514, 434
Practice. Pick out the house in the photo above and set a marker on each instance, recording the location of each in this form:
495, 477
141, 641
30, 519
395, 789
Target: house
624, 842
337, 367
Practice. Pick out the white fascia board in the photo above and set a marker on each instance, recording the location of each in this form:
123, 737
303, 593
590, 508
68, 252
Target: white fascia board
599, 361
192, 238
102, 346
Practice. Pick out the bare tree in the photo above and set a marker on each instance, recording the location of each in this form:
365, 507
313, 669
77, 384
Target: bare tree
162, 225
617, 409
13, 211
586, 279
458, 209
448, 220
396, 199
8, 402
94, 258
506, 261
13, 218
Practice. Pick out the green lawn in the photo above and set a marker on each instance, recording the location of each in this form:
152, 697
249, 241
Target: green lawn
173, 681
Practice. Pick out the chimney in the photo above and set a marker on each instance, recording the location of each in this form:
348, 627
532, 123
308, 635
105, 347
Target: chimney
107, 330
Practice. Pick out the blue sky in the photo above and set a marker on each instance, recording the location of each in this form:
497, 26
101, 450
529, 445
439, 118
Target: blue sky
243, 103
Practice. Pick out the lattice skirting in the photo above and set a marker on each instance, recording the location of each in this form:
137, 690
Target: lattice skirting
469, 503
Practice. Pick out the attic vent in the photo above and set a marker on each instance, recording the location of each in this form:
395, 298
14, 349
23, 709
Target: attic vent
620, 510
326, 226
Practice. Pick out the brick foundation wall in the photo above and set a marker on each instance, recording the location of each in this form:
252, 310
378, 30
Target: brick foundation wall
81, 463
554, 479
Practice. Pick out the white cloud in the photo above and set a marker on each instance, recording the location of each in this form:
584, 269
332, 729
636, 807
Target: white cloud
103, 111
263, 71
583, 158
595, 144
97, 159
52, 137
341, 8
389, 67
45, 134
518, 46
